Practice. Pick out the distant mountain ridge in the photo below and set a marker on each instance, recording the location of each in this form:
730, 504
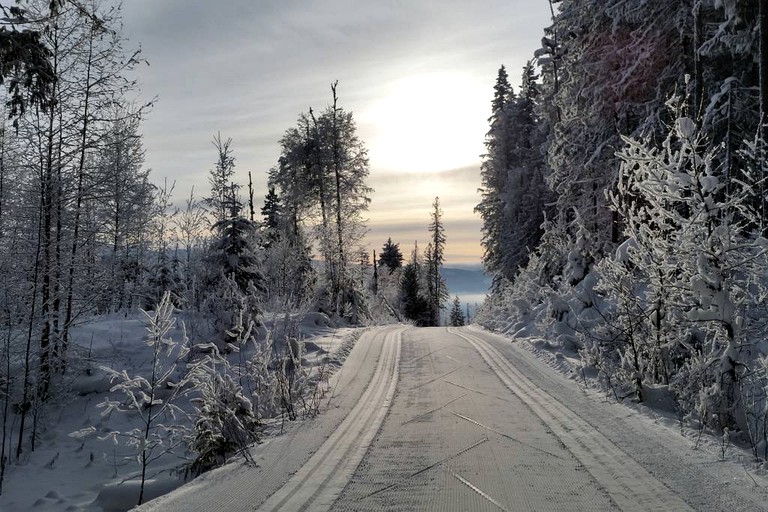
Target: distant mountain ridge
464, 281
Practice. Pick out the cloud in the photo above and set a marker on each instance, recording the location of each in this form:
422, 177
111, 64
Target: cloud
248, 68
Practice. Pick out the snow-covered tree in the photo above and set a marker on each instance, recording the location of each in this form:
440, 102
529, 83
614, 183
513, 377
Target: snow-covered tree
390, 256
414, 305
234, 251
456, 317
225, 421
321, 177
702, 264
493, 174
152, 399
221, 180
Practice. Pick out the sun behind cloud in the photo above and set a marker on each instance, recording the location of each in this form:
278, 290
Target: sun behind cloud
428, 123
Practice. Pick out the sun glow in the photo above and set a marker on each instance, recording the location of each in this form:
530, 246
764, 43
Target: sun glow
428, 123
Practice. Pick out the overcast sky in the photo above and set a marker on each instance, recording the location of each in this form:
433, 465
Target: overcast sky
418, 76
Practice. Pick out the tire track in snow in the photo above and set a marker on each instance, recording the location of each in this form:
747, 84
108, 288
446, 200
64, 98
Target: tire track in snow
630, 486
319, 482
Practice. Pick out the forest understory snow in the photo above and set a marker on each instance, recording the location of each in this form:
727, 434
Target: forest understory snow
84, 459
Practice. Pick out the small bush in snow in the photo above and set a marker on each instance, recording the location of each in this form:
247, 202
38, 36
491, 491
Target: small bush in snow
152, 399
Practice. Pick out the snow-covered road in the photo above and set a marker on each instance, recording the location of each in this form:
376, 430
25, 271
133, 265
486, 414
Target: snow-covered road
460, 419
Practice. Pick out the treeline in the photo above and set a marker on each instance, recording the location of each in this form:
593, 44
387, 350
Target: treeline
415, 291
77, 210
624, 202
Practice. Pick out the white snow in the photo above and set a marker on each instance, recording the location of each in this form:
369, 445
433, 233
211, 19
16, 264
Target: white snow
82, 472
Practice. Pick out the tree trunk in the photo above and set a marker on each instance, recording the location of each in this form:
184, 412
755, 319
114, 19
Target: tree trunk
78, 206
27, 385
250, 197
763, 137
337, 175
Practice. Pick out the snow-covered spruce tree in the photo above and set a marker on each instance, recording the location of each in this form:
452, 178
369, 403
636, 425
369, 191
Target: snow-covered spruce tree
235, 276
456, 317
221, 179
390, 256
225, 420
493, 173
152, 399
514, 194
527, 196
234, 248
689, 226
271, 213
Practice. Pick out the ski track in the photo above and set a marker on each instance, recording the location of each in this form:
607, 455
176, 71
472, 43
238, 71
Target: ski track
236, 487
630, 486
442, 449
697, 475
318, 483
492, 428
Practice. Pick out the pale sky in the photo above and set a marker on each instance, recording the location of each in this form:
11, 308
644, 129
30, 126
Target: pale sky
418, 76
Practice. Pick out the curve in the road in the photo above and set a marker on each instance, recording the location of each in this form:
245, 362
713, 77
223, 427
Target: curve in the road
318, 483
630, 486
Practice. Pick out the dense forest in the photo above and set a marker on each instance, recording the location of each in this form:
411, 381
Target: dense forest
624, 203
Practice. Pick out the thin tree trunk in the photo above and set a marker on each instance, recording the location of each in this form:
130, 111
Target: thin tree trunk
337, 175
26, 388
47, 206
250, 197
763, 137
78, 206
56, 307
7, 398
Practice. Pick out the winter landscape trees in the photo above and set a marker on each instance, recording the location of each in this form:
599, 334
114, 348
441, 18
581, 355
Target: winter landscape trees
89, 236
647, 251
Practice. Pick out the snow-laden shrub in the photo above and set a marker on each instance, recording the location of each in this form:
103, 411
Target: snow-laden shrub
226, 303
225, 422
153, 399
696, 271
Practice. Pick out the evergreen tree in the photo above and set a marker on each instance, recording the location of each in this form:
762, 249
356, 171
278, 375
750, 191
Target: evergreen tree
390, 256
221, 180
493, 173
456, 317
526, 196
415, 307
375, 284
271, 213
437, 291
233, 252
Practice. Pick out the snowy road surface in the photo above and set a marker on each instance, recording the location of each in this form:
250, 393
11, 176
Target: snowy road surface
460, 419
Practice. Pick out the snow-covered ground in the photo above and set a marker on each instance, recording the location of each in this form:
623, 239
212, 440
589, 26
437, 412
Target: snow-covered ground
70, 473
476, 418
477, 422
